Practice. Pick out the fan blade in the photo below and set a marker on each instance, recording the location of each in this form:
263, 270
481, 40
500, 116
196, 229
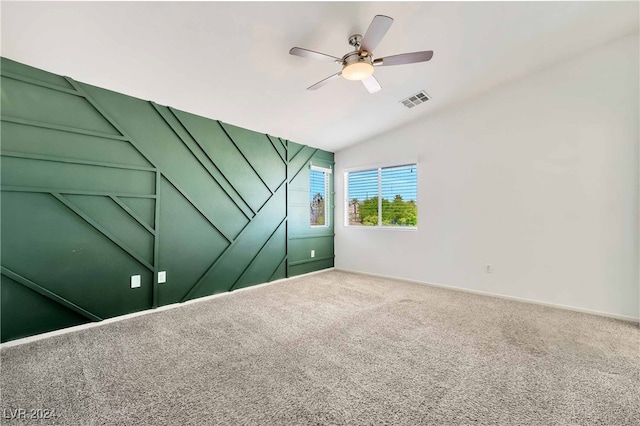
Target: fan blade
371, 84
325, 81
376, 31
404, 58
306, 53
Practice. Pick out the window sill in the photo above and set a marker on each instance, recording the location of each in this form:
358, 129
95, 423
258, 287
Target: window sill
384, 228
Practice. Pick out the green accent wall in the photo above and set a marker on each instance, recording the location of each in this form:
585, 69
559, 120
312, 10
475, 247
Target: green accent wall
302, 237
98, 186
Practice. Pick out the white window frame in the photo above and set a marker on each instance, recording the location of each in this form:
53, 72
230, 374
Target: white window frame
379, 168
327, 193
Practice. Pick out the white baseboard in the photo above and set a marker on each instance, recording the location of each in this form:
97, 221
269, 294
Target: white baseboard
73, 329
502, 296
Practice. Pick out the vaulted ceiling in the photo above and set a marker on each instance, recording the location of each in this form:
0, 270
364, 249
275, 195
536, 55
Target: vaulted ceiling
230, 61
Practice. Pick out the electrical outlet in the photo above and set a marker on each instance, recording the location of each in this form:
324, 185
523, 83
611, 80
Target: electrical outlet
162, 277
313, 253
135, 281
488, 268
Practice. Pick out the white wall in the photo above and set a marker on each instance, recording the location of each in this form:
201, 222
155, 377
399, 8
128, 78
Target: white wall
538, 178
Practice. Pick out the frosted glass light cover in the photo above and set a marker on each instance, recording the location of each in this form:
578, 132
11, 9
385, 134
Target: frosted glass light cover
357, 71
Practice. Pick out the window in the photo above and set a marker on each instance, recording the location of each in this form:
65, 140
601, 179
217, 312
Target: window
318, 196
384, 197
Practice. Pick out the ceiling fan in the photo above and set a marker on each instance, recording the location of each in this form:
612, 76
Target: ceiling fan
359, 64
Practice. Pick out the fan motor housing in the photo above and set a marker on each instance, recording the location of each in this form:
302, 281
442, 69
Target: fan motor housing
353, 57
357, 67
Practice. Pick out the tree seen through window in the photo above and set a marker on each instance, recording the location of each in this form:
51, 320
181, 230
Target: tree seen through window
318, 194
383, 197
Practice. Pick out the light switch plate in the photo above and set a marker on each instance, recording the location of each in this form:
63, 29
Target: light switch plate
162, 277
313, 253
135, 281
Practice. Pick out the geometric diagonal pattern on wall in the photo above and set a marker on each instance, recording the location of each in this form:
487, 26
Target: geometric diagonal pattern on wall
260, 153
108, 214
222, 152
302, 238
229, 267
269, 259
46, 244
142, 208
98, 186
41, 316
188, 245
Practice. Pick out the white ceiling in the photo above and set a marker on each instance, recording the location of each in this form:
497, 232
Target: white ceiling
229, 60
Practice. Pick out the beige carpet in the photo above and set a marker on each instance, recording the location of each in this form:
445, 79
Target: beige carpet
335, 348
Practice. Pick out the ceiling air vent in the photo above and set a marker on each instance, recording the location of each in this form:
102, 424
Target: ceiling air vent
416, 99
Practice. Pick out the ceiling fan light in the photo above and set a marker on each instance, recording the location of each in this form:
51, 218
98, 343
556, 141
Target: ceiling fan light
357, 71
